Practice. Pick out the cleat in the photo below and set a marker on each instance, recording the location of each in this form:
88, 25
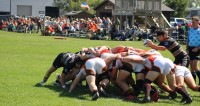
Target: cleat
102, 91
95, 96
188, 100
182, 100
57, 83
64, 87
172, 95
155, 96
42, 82
146, 100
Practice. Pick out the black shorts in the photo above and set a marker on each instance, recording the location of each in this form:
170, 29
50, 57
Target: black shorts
156, 69
102, 76
182, 60
144, 71
193, 55
127, 67
57, 62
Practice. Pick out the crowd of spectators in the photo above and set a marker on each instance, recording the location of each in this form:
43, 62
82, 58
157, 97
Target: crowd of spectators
97, 27
93, 28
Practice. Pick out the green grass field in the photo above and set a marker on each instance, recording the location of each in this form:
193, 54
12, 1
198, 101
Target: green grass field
25, 59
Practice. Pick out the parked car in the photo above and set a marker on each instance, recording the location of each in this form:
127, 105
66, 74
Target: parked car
179, 21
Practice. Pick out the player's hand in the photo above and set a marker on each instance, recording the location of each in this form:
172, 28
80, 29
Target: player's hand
120, 58
150, 43
118, 55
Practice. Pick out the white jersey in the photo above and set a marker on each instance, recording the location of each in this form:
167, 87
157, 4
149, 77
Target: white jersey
164, 64
136, 67
96, 65
154, 52
182, 71
108, 55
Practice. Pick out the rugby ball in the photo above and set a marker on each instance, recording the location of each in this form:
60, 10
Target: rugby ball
145, 42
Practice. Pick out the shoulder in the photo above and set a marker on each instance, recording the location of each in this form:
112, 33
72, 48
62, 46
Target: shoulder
170, 40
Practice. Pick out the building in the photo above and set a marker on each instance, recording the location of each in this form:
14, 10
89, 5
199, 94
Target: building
24, 7
194, 9
104, 9
154, 10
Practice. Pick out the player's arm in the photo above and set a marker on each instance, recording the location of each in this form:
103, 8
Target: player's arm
139, 60
156, 47
91, 50
78, 78
111, 58
62, 79
102, 48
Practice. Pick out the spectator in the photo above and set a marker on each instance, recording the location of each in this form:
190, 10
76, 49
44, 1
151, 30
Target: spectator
117, 23
122, 37
153, 28
140, 34
193, 47
113, 31
180, 32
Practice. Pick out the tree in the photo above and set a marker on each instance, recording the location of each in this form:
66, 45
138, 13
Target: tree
69, 5
179, 6
64, 5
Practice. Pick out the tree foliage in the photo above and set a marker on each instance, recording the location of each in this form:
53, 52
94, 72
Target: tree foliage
179, 6
75, 5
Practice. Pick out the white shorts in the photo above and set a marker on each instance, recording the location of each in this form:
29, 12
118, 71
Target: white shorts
164, 65
182, 71
136, 66
95, 66
169, 65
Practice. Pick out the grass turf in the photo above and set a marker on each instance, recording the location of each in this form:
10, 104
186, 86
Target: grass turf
25, 59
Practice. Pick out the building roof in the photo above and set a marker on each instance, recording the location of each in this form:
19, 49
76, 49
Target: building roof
99, 5
163, 7
71, 13
166, 8
78, 14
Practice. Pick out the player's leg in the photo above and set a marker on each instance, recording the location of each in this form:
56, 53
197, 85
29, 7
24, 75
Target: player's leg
150, 77
121, 82
48, 73
179, 89
92, 86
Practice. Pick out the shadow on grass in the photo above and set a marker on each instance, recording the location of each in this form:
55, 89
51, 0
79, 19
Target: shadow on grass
38, 85
114, 92
51, 87
80, 92
83, 93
